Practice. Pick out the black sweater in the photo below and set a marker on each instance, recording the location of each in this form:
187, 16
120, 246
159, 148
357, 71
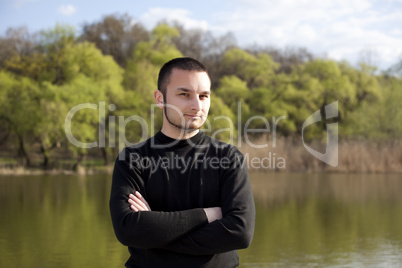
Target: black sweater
179, 178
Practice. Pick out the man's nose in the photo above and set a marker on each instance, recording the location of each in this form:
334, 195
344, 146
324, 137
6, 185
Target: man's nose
196, 104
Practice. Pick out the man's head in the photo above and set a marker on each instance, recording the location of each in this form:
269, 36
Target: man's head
184, 94
184, 63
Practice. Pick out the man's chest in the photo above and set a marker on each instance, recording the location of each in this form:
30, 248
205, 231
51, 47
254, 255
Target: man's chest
184, 182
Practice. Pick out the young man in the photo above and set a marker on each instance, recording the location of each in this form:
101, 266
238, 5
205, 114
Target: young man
181, 198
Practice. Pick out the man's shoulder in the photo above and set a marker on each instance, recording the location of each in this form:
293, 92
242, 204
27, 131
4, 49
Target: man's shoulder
227, 148
140, 148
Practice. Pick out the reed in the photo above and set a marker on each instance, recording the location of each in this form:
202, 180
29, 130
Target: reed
353, 156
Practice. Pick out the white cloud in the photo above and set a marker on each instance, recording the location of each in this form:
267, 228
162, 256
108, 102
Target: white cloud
156, 14
342, 28
66, 10
396, 31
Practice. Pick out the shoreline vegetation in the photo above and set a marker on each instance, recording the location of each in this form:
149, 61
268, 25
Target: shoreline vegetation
354, 156
70, 98
285, 155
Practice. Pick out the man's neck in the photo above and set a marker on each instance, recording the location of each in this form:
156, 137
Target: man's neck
179, 134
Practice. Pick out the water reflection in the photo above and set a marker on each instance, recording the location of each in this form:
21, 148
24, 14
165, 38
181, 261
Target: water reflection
60, 221
326, 220
303, 220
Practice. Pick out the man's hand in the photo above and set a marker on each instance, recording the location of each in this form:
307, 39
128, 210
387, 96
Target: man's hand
213, 214
138, 203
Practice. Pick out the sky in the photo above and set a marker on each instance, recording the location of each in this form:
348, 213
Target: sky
349, 30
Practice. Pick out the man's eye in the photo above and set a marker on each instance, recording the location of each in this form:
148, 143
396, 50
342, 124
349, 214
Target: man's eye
183, 94
204, 96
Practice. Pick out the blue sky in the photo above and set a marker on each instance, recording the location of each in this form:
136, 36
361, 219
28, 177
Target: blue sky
342, 29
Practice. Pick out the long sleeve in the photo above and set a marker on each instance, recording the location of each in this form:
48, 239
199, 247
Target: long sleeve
235, 230
148, 229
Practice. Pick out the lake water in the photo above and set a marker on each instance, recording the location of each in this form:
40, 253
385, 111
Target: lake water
303, 220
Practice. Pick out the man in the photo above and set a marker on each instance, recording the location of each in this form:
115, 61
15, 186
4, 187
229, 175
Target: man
181, 198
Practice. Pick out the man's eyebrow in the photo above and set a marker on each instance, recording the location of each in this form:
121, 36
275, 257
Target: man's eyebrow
184, 89
189, 90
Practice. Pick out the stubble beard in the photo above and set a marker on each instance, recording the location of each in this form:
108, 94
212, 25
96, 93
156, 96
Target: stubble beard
186, 128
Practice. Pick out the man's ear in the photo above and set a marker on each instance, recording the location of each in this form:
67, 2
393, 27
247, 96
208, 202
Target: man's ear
158, 98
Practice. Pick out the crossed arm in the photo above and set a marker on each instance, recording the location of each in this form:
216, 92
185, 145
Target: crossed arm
197, 231
138, 203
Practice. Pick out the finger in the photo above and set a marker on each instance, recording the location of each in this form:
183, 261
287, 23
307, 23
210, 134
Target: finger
139, 203
135, 206
138, 194
139, 207
140, 197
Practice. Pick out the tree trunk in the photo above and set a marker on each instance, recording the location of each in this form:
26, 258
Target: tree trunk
22, 151
45, 153
79, 160
105, 156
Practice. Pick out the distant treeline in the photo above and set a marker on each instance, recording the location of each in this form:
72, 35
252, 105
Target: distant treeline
113, 64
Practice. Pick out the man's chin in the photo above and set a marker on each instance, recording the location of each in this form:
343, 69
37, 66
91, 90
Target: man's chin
195, 126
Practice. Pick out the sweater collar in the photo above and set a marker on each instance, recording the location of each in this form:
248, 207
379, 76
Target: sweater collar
163, 139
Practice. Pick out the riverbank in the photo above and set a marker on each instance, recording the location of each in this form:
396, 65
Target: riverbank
352, 156
275, 155
21, 170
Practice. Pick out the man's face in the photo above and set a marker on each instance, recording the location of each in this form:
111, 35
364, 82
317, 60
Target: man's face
187, 100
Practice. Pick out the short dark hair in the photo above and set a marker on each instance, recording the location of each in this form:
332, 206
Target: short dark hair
183, 63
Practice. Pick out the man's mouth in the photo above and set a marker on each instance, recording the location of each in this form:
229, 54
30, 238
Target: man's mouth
195, 116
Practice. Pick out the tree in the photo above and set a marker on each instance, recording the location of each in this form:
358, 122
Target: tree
205, 47
333, 85
288, 58
115, 35
45, 62
49, 131
235, 94
17, 42
366, 84
142, 71
221, 122
20, 98
91, 78
61, 75
33, 111
255, 70
380, 119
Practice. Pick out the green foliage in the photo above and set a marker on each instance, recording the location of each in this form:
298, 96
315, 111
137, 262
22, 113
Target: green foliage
39, 87
221, 122
378, 120
142, 70
31, 111
236, 94
148, 57
367, 86
20, 99
333, 86
255, 70
90, 78
39, 101
57, 38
